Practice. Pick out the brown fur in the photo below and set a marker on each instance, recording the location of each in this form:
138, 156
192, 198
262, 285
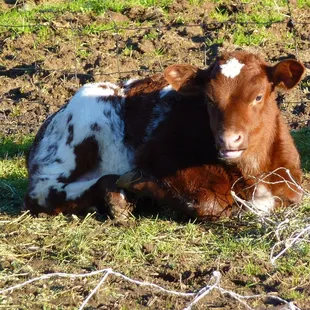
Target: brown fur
183, 146
141, 97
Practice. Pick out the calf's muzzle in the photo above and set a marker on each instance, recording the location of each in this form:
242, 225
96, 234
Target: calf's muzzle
231, 144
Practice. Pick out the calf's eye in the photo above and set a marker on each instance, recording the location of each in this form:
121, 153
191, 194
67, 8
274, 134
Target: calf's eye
259, 98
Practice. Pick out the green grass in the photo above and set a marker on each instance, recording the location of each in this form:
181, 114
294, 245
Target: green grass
13, 185
260, 12
250, 20
13, 173
302, 138
255, 37
219, 15
20, 20
151, 35
252, 269
148, 246
260, 17
96, 28
303, 3
14, 146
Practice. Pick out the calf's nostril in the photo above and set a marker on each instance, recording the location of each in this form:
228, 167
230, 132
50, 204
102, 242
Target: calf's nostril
230, 140
238, 138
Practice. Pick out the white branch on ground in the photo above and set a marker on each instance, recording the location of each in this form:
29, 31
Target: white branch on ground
297, 235
197, 296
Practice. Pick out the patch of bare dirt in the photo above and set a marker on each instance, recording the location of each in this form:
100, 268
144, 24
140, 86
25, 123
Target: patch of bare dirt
39, 73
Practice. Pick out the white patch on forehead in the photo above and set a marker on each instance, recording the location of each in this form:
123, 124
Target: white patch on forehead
174, 73
231, 68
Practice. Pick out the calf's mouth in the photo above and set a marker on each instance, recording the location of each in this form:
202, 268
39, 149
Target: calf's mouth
230, 154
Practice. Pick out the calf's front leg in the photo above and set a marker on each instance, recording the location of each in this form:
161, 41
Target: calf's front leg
201, 192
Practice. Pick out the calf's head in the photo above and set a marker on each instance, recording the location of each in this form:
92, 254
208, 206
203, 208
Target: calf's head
239, 90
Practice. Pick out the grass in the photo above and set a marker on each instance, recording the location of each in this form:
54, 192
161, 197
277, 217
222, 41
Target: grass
72, 244
249, 22
220, 15
96, 28
302, 138
151, 35
253, 37
303, 4
14, 146
13, 172
260, 12
22, 21
39, 19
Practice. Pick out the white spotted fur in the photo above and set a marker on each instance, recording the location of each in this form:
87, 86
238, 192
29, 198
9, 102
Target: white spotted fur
86, 107
231, 68
76, 189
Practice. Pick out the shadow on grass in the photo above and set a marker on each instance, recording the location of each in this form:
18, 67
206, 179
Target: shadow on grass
12, 192
302, 140
12, 147
13, 182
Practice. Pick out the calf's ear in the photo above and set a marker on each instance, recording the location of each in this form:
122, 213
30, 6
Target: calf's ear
186, 79
287, 73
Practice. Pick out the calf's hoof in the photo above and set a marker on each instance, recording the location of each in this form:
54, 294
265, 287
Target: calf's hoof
120, 209
32, 206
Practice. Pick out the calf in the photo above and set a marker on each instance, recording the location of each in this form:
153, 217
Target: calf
185, 136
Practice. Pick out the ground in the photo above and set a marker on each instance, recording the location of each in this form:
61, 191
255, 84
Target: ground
48, 50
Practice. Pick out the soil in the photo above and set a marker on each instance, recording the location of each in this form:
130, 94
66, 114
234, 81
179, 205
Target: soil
39, 73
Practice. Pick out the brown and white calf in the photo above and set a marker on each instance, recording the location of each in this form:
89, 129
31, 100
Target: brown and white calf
186, 136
